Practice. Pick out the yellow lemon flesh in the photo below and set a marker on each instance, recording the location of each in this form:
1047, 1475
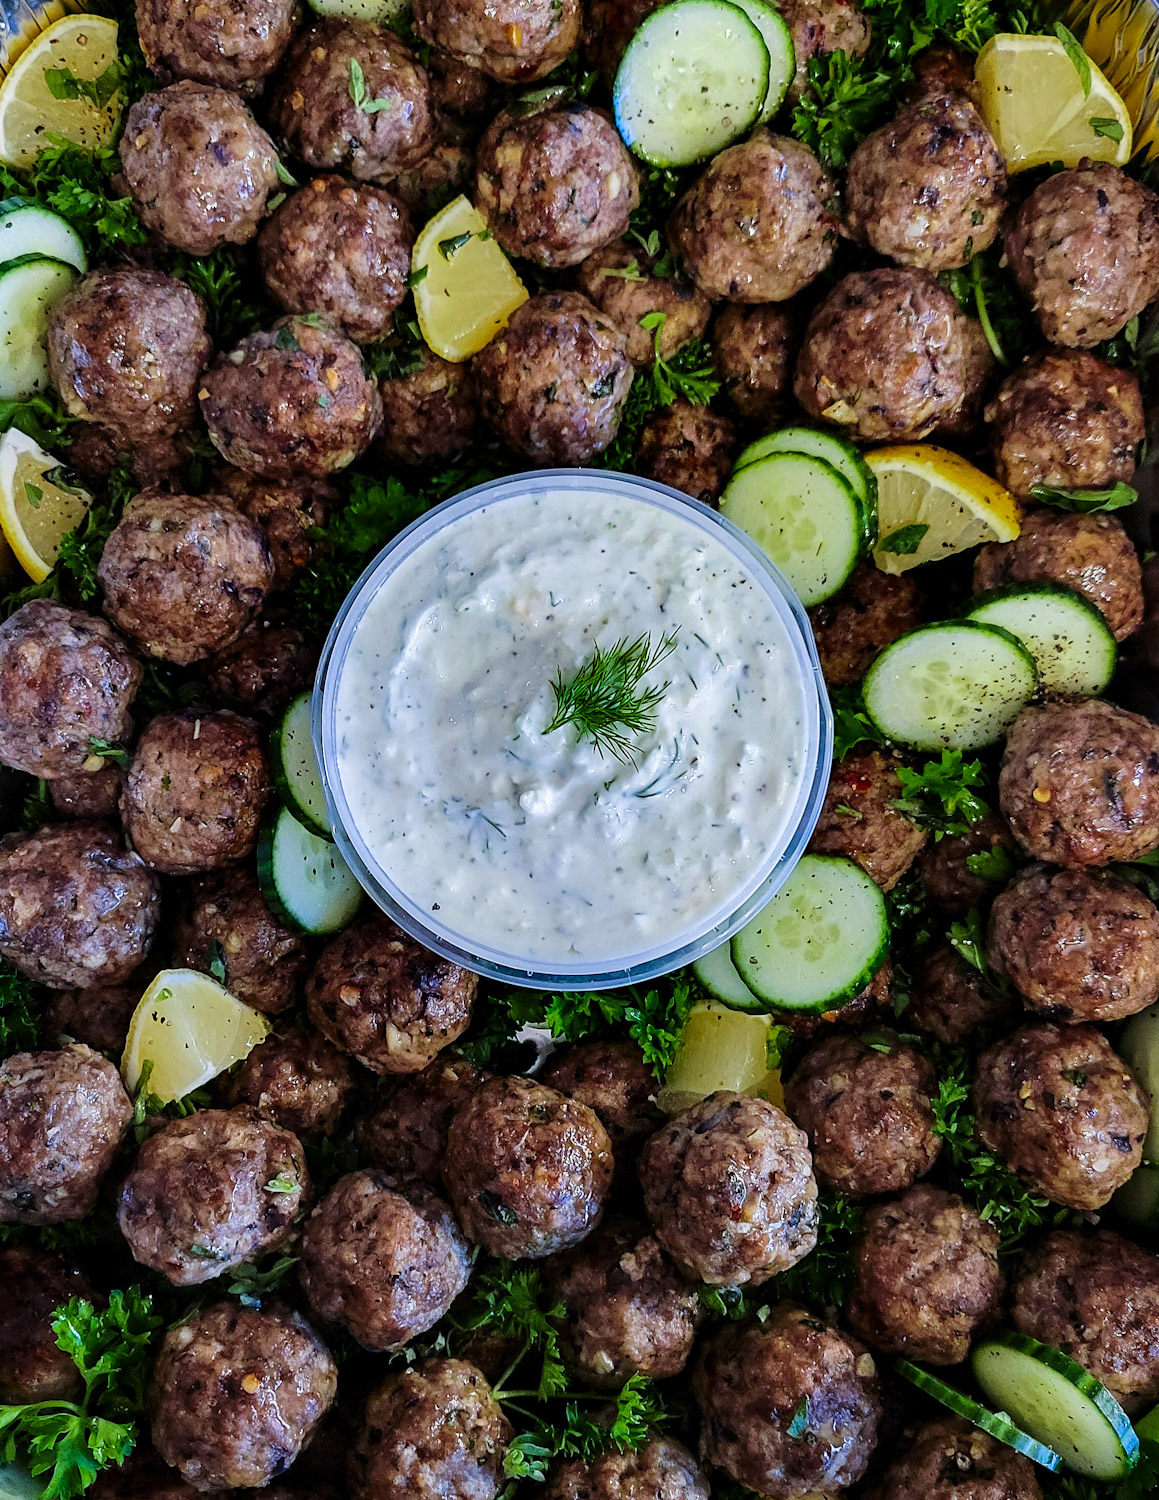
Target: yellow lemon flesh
923, 485
465, 288
77, 48
186, 1030
720, 1049
38, 503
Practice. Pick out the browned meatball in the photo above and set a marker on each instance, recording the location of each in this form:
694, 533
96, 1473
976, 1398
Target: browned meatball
286, 513
431, 413
952, 1002
291, 402
1096, 1297
317, 116
1063, 1111
619, 280
859, 820
267, 666
159, 460
609, 25
32, 1365
1065, 418
407, 1134
446, 173
183, 575
386, 999
458, 89
1079, 783
979, 372
612, 1078
870, 612
1084, 250
125, 348
237, 1393
227, 929
945, 870
757, 225
512, 41
527, 1169
662, 1469
948, 1459
689, 448
928, 1277
729, 1188
1091, 554
99, 1017
819, 27
234, 43
554, 381
77, 909
194, 795
62, 1117
146, 1476
341, 248
66, 680
751, 1382
200, 169
89, 795
754, 349
295, 1078
431, 1433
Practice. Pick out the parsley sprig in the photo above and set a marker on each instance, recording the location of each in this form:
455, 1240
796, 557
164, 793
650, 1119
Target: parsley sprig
19, 1011
943, 795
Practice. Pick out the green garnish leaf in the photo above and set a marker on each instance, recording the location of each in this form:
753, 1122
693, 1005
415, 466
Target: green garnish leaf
1101, 125
285, 176
360, 94
605, 700
449, 248
281, 1184
33, 494
995, 865
968, 939
19, 1011
116, 753
419, 274
800, 1422
216, 961
286, 340
905, 540
943, 795
250, 1285
64, 84
1080, 61
851, 724
822, 1280
1086, 502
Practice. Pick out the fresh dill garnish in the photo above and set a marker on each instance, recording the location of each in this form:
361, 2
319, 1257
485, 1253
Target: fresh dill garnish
606, 701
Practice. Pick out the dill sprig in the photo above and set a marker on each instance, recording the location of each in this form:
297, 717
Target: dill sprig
606, 701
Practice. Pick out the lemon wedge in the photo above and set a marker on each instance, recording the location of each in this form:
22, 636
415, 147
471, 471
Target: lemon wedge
75, 49
465, 288
923, 485
1038, 108
189, 1029
720, 1049
38, 504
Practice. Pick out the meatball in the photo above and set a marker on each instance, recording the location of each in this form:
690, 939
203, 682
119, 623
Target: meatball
198, 1200
885, 357
322, 123
1079, 783
62, 1117
458, 89
145, 1476
753, 349
268, 665
1063, 1111
620, 281
554, 381
387, 1000
446, 173
612, 1078
32, 1365
819, 27
200, 169
66, 680
233, 43
1065, 418
952, 1002
527, 1169
627, 1310
431, 413
407, 1134
381, 1262
193, 800
162, 460
751, 1383
929, 188
927, 1277
1091, 554
865, 1105
237, 1392
662, 1470
859, 821
340, 248
757, 225
689, 448
227, 929
285, 513
979, 373
1096, 1297
95, 794
77, 909
125, 348
99, 1017
183, 575
948, 1459
512, 41
729, 1188
434, 1432
291, 402
1084, 250
870, 612
945, 870
295, 1078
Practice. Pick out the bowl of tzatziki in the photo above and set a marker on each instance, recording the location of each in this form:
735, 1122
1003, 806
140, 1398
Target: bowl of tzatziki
572, 729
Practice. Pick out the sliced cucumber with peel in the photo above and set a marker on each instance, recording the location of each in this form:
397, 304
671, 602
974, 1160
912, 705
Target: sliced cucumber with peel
306, 882
29, 285
834, 449
717, 974
1138, 1046
778, 40
1137, 1201
996, 1423
382, 12
296, 773
1068, 637
28, 228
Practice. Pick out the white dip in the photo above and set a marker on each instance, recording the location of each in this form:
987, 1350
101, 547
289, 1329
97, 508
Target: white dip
527, 844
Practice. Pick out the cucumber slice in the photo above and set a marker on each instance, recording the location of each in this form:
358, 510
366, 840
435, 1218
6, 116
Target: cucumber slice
803, 512
835, 450
693, 79
778, 40
819, 941
28, 228
956, 686
381, 11
29, 285
1072, 647
717, 974
1137, 1201
1058, 1402
1138, 1046
296, 773
16, 1483
306, 882
997, 1424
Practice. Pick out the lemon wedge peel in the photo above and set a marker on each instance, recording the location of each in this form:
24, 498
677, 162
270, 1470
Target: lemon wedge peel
85, 46
190, 1029
921, 484
465, 288
35, 512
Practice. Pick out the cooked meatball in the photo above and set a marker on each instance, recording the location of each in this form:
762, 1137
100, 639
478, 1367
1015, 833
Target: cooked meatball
226, 928
340, 248
942, 69
407, 1134
1079, 783
822, 26
145, 1476
512, 41
952, 1002
689, 448
859, 820
237, 1392
446, 173
875, 1000
431, 1433
612, 1078
233, 43
751, 1382
1084, 250
948, 1459
945, 870
869, 613
458, 89
386, 999
431, 414
32, 1365
267, 666
125, 348
757, 225
1096, 1297
183, 575
77, 908
193, 801
291, 402
295, 1078
1061, 1110
754, 349
62, 1116
553, 382
1091, 554
317, 116
885, 356
619, 279
66, 680
927, 1277
609, 25
979, 373
1065, 418
200, 169
527, 1169
729, 1188
929, 188
99, 1017
662, 1470
286, 513
162, 460
95, 794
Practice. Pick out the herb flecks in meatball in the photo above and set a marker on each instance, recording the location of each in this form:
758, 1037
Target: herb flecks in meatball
227, 929
948, 1459
859, 819
619, 279
233, 43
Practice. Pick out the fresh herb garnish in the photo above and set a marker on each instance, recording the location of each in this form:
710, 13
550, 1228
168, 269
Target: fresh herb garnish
1101, 125
1086, 502
103, 750
968, 939
905, 540
605, 700
64, 84
222, 281
800, 1420
249, 1284
943, 795
823, 1279
360, 94
19, 1011
449, 248
1079, 60
996, 864
851, 724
